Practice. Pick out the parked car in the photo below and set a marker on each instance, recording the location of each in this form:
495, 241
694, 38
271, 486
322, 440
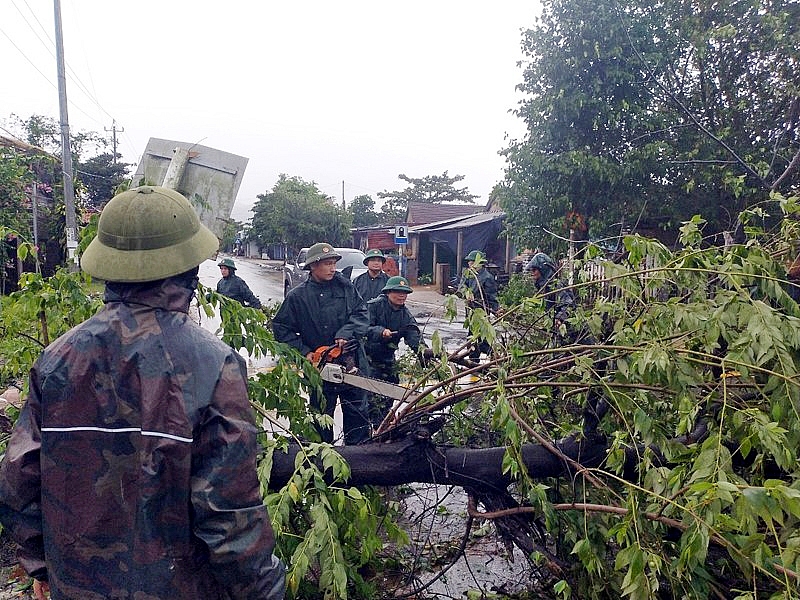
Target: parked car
352, 261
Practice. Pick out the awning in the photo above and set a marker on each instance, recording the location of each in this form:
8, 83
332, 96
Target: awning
477, 230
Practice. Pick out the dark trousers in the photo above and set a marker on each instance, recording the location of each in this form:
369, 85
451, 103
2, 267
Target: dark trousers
354, 411
379, 406
481, 347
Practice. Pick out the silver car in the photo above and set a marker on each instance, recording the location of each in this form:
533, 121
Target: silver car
293, 274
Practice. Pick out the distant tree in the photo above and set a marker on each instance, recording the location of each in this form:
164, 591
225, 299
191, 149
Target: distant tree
231, 232
362, 209
652, 112
433, 189
96, 178
101, 176
45, 133
296, 213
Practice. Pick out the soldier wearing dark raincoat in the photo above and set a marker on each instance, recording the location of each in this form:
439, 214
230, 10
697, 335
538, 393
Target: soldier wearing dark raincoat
370, 284
390, 321
233, 286
131, 471
479, 287
325, 310
558, 299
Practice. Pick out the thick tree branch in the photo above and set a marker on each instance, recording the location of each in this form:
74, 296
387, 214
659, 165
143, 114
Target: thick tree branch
416, 459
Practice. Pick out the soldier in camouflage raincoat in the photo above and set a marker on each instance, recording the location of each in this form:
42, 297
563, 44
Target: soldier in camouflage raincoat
131, 472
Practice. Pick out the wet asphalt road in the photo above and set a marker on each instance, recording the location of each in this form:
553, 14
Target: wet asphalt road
265, 279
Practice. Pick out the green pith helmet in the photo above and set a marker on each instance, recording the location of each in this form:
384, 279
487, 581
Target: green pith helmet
146, 234
227, 262
374, 253
319, 252
542, 263
475, 255
397, 284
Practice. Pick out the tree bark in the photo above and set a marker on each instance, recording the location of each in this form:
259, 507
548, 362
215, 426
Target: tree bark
417, 460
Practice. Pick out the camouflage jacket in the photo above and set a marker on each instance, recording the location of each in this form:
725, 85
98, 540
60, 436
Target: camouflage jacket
236, 288
131, 472
370, 287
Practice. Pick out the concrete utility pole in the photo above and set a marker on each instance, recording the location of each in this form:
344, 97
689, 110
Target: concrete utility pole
66, 150
174, 174
114, 131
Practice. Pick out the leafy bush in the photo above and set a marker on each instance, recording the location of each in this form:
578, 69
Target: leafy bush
520, 286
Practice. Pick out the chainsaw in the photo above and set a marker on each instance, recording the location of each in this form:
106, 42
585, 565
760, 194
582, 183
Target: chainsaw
337, 365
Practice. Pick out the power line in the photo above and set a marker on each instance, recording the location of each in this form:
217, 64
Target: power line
53, 85
28, 59
73, 75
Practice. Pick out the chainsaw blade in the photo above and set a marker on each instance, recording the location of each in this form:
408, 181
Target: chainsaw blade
334, 373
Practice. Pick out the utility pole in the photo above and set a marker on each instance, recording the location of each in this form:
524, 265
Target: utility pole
344, 206
66, 150
114, 131
35, 202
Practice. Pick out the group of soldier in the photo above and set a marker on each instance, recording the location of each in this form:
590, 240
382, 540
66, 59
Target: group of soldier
329, 310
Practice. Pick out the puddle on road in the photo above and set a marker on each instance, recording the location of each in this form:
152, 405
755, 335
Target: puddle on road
435, 519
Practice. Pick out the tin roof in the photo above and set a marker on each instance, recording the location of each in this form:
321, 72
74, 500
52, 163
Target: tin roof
420, 213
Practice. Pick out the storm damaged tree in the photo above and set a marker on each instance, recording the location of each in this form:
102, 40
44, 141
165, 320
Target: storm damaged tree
645, 448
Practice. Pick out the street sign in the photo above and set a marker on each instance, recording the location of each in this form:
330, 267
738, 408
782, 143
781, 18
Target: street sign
400, 234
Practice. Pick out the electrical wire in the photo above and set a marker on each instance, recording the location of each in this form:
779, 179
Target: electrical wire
93, 94
78, 108
71, 73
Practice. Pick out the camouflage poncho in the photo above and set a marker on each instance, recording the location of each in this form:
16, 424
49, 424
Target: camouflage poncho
131, 472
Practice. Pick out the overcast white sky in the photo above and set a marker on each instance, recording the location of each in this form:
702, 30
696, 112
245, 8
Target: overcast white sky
354, 91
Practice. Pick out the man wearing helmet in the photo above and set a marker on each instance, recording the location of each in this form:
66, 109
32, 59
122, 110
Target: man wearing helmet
370, 284
390, 321
559, 301
131, 471
233, 286
479, 288
326, 310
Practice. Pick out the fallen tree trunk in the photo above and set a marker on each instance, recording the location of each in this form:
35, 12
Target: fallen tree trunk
416, 460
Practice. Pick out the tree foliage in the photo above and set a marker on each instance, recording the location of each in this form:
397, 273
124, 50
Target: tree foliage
96, 179
16, 177
432, 189
362, 210
678, 373
295, 213
101, 177
645, 114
